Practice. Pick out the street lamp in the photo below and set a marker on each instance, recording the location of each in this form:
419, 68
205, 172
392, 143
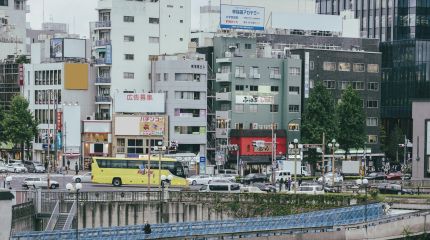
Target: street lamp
364, 183
75, 190
165, 183
160, 149
295, 147
334, 146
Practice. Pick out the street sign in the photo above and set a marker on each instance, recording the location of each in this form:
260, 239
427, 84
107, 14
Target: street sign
202, 165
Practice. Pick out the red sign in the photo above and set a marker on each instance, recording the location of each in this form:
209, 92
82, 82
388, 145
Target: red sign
59, 121
139, 97
21, 75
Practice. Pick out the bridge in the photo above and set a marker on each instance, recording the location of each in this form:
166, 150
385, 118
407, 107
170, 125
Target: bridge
318, 221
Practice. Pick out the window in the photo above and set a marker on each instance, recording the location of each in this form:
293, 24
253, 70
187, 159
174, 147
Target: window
373, 68
181, 39
358, 67
274, 108
344, 85
129, 56
240, 88
128, 38
293, 108
373, 86
294, 71
166, 77
329, 84
128, 18
275, 73
181, 21
154, 20
372, 121
344, 67
311, 65
248, 46
240, 72
188, 95
4, 3
253, 108
293, 127
238, 126
254, 72
372, 139
253, 88
372, 103
329, 66
194, 130
170, 6
128, 75
274, 88
294, 90
358, 85
154, 40
239, 108
225, 69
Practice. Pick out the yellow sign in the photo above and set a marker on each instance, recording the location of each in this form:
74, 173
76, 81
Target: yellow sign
152, 125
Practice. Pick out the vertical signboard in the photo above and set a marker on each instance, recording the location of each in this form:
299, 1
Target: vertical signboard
202, 165
57, 46
306, 74
242, 17
108, 57
21, 75
59, 120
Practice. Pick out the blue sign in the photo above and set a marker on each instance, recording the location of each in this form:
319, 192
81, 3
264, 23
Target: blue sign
202, 165
59, 142
45, 147
108, 57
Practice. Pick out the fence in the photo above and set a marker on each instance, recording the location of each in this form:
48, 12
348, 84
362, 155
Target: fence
23, 217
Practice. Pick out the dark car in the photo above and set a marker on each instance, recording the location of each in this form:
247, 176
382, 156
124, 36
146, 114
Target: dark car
376, 176
389, 188
255, 177
265, 187
30, 166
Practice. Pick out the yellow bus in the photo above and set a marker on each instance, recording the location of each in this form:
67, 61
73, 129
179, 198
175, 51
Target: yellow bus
123, 171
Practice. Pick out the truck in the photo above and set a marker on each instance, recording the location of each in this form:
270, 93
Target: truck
351, 167
288, 165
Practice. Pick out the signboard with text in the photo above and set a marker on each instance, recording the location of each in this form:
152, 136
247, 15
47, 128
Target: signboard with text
139, 102
242, 17
262, 100
152, 126
202, 165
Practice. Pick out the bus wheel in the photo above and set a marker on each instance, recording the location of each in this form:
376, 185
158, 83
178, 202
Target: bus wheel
116, 182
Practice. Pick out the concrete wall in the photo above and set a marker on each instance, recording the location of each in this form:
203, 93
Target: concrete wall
6, 213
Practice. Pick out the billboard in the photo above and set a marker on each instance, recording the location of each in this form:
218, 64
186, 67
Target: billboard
144, 125
242, 17
57, 46
152, 125
139, 103
261, 100
68, 48
72, 128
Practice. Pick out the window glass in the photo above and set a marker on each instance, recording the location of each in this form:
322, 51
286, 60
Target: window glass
329, 66
344, 67
373, 68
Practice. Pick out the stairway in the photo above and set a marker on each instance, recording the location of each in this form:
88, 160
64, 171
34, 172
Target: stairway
62, 218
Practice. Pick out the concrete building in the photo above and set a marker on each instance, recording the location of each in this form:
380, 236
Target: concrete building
421, 141
55, 27
183, 78
125, 39
9, 83
12, 27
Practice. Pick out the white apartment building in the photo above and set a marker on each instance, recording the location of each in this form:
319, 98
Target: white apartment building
12, 27
183, 79
126, 37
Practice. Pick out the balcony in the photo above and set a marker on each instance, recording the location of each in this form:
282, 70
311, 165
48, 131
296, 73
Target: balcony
223, 60
103, 24
102, 42
222, 114
223, 77
255, 76
103, 100
240, 75
101, 61
223, 96
102, 116
103, 80
221, 133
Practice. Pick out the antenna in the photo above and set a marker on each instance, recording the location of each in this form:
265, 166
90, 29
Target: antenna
43, 10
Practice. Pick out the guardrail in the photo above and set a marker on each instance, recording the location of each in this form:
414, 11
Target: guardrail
70, 216
54, 217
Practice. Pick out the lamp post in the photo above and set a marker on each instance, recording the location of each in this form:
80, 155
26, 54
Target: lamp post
75, 190
295, 148
334, 146
160, 149
364, 183
165, 183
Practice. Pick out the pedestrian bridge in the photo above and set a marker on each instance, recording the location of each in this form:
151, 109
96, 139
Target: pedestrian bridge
318, 220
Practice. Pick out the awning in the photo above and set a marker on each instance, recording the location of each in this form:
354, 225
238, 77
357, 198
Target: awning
256, 160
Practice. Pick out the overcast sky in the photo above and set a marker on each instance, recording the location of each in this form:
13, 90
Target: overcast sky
78, 13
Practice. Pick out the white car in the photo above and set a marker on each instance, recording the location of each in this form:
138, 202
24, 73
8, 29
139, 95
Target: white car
328, 178
199, 179
39, 168
229, 177
38, 182
3, 168
310, 189
82, 178
16, 167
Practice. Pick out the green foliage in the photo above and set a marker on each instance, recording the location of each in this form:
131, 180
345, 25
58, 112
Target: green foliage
3, 138
22, 60
19, 124
352, 120
318, 117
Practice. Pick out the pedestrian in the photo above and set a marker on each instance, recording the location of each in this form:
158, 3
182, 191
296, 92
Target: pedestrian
300, 182
289, 184
281, 182
46, 166
76, 168
147, 228
68, 164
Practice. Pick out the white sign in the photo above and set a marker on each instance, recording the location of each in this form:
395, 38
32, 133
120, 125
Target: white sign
306, 74
262, 100
242, 17
72, 128
139, 103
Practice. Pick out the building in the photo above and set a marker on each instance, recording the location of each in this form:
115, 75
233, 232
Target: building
183, 78
252, 92
127, 37
404, 32
421, 140
48, 31
9, 83
12, 27
55, 27
338, 69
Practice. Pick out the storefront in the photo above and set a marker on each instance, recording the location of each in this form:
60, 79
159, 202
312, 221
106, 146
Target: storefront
96, 139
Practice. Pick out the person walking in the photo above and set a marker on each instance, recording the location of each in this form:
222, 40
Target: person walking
281, 182
289, 184
147, 228
76, 168
68, 164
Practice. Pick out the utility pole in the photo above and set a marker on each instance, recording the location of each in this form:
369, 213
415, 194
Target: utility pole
405, 151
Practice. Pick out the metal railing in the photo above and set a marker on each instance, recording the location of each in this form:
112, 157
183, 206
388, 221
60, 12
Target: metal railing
103, 42
70, 216
103, 24
100, 61
103, 99
103, 80
54, 217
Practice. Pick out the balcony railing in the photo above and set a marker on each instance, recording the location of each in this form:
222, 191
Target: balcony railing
103, 24
101, 61
103, 99
102, 116
103, 80
103, 42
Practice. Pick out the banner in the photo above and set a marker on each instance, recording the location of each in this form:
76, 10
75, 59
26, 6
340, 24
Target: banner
242, 17
262, 100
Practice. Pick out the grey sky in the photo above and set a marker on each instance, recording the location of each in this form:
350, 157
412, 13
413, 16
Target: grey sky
78, 13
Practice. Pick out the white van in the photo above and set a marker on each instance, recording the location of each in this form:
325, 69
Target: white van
310, 189
282, 174
216, 186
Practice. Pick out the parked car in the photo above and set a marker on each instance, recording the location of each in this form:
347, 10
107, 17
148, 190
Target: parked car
394, 176
199, 179
376, 176
388, 188
16, 167
282, 175
310, 189
39, 168
3, 168
38, 182
220, 187
82, 178
266, 187
328, 178
251, 189
255, 177
229, 177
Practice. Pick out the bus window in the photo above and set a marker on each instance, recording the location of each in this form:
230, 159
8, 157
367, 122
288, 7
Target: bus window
179, 170
133, 164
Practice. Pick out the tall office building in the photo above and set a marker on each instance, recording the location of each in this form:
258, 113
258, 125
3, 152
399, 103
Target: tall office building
404, 30
12, 27
127, 37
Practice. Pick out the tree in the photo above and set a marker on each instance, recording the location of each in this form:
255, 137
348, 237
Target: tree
318, 117
22, 59
19, 124
352, 120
